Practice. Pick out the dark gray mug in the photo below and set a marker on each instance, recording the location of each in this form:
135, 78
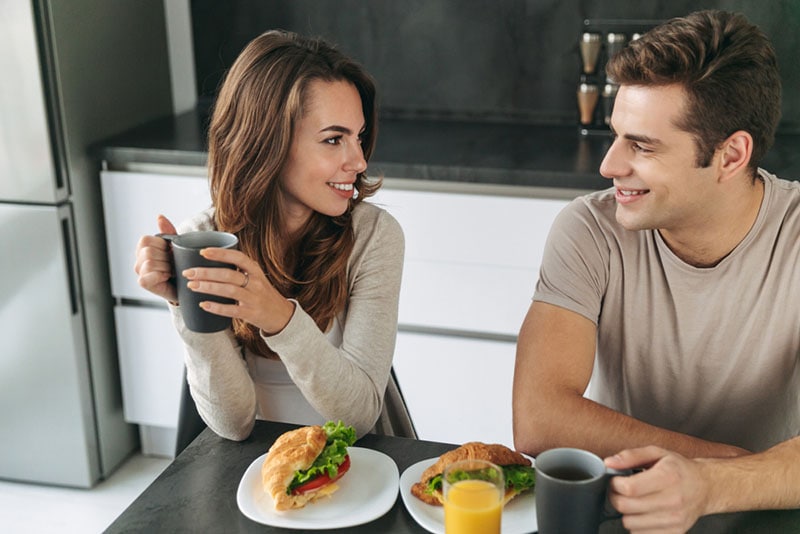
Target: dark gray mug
571, 486
186, 253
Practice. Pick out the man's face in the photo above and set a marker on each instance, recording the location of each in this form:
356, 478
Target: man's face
652, 163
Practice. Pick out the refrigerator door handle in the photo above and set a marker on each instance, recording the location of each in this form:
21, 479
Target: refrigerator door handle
69, 258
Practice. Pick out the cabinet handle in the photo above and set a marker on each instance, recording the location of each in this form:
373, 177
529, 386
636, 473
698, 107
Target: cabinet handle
71, 277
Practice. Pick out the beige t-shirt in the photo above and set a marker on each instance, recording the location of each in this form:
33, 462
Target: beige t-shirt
709, 352
341, 374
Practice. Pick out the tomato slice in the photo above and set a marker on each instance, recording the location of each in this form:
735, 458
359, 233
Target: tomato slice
322, 480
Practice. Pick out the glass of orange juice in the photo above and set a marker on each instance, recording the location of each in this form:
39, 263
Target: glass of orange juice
473, 497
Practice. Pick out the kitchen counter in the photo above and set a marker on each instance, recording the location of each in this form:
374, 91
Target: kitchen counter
198, 492
449, 155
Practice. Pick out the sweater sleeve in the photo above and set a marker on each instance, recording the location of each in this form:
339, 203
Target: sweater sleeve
348, 382
218, 379
216, 370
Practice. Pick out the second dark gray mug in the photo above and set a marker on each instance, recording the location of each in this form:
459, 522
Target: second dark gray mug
186, 253
571, 486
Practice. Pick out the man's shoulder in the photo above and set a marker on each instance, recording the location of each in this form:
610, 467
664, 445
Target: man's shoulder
602, 201
596, 209
782, 185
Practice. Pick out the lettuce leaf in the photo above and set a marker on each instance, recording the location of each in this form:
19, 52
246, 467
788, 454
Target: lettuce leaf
518, 477
332, 456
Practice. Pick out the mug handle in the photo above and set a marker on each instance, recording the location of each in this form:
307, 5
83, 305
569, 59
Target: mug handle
609, 512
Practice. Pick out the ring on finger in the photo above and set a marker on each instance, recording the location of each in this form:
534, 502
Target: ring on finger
246, 279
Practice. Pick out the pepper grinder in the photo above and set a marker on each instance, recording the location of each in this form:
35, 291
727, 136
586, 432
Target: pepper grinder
590, 50
588, 95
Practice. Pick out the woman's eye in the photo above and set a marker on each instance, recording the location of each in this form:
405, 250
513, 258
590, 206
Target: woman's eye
334, 140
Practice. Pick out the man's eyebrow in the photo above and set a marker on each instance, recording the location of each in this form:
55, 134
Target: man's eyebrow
642, 139
638, 138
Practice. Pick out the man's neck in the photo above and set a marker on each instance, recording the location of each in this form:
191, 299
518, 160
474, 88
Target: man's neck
711, 244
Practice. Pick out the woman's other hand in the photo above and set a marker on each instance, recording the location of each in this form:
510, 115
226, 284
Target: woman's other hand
257, 300
154, 263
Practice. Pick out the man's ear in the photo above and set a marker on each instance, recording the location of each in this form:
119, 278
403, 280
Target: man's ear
735, 153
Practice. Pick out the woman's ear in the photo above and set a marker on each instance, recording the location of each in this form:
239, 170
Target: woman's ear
735, 154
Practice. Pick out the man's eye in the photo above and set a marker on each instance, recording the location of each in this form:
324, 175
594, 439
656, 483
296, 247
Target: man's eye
639, 148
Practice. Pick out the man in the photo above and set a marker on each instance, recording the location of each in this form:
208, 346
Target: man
675, 291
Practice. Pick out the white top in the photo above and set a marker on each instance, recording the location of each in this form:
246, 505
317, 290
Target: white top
278, 397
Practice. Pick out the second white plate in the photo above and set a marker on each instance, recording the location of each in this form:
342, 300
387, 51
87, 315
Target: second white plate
519, 515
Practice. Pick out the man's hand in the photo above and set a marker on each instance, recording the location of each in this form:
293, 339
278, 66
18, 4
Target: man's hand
669, 496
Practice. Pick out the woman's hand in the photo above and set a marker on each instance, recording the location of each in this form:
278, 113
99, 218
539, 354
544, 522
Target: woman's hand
154, 263
258, 302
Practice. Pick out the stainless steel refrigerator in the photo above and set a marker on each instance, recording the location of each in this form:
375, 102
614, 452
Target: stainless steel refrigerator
73, 72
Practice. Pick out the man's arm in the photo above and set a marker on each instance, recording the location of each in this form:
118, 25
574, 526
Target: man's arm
555, 357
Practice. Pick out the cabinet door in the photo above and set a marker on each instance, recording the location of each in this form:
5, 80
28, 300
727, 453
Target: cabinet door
131, 203
151, 365
456, 389
471, 261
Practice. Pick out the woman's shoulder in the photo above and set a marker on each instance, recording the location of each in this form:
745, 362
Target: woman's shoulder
370, 220
368, 215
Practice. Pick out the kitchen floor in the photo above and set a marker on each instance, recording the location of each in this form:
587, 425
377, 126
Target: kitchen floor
31, 508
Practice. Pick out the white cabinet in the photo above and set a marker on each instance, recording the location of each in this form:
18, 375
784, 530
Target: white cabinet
150, 350
471, 261
471, 266
457, 389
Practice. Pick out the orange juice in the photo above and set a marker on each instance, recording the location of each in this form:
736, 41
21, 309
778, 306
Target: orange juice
473, 507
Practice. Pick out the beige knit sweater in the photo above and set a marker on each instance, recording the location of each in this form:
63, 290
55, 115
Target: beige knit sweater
344, 382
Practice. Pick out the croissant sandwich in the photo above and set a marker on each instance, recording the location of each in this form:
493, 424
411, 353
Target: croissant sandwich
517, 470
304, 464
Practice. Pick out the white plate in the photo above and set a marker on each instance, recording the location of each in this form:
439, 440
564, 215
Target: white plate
519, 515
366, 492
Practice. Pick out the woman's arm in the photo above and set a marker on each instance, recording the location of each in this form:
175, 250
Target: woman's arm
349, 382
219, 380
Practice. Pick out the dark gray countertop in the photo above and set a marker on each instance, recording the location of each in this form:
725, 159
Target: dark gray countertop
504, 154
197, 492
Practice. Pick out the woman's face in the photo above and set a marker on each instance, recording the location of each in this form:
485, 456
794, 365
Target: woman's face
326, 155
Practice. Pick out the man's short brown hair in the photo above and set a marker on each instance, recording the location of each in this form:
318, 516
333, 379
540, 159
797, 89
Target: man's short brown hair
728, 69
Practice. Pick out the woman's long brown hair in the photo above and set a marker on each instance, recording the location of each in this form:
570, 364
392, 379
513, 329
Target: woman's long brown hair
251, 132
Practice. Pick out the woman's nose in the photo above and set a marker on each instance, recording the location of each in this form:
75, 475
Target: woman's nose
355, 159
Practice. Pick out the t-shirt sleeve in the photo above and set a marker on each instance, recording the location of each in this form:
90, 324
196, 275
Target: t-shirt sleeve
574, 271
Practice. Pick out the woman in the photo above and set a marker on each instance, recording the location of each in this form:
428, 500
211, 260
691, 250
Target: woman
319, 270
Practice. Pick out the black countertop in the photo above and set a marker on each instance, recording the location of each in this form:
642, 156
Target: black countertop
197, 492
501, 154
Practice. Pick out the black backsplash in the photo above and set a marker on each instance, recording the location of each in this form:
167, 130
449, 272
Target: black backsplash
501, 60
